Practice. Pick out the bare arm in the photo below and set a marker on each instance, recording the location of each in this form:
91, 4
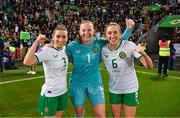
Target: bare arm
145, 59
30, 59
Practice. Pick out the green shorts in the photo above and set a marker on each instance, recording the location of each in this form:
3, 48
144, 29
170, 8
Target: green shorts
48, 106
130, 99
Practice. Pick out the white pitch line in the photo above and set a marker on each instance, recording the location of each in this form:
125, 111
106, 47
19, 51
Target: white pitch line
156, 74
19, 80
25, 79
150, 73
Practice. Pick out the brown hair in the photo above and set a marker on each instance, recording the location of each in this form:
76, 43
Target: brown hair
86, 21
60, 27
112, 24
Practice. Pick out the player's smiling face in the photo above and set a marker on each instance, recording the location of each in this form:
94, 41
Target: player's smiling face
86, 32
113, 34
60, 38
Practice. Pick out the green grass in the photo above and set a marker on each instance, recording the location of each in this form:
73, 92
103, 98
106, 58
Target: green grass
159, 97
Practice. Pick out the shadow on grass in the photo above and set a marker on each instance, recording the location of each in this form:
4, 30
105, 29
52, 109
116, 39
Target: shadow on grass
158, 78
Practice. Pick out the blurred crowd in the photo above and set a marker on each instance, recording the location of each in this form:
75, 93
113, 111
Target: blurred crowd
176, 37
41, 17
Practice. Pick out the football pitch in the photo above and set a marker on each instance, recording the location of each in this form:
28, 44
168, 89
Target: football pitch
158, 97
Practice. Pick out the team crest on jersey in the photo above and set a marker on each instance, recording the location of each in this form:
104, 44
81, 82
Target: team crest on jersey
122, 55
55, 56
95, 49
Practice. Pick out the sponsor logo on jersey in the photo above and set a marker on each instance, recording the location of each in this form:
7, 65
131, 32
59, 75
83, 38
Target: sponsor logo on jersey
105, 55
77, 51
116, 71
55, 56
122, 55
95, 49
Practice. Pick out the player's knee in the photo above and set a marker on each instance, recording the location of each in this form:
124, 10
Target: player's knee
80, 112
100, 114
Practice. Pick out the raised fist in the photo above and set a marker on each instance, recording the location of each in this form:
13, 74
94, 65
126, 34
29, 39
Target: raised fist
130, 23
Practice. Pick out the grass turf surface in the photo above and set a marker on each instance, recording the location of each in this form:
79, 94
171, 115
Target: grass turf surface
159, 97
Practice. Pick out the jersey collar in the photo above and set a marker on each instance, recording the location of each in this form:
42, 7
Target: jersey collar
117, 47
55, 48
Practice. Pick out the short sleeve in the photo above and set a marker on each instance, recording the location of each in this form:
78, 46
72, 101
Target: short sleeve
136, 54
42, 54
68, 51
102, 41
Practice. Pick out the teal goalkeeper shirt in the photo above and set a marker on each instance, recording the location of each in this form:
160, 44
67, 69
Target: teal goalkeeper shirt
85, 60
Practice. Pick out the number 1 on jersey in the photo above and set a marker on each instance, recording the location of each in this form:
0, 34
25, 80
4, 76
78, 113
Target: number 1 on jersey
89, 59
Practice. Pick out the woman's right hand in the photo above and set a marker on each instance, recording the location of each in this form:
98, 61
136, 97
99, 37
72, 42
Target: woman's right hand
40, 39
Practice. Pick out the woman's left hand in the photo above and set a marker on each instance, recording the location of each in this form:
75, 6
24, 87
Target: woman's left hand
140, 50
130, 23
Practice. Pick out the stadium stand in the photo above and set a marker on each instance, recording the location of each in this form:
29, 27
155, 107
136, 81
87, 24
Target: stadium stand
41, 16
